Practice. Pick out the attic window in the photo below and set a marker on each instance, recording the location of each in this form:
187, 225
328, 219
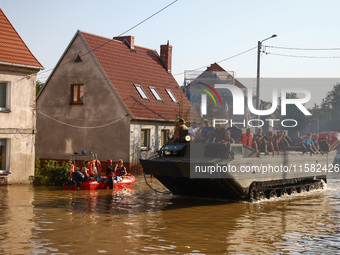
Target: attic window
141, 92
78, 59
155, 93
77, 93
173, 98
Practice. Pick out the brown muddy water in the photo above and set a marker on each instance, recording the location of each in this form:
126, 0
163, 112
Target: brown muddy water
40, 220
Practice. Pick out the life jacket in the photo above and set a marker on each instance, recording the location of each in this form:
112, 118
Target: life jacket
120, 170
72, 169
109, 171
247, 139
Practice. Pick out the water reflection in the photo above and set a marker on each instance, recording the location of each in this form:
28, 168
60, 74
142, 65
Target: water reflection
139, 221
16, 224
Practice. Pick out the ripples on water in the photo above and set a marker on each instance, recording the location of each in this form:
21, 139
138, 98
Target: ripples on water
139, 221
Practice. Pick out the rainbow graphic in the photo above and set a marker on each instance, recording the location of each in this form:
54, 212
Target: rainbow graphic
209, 93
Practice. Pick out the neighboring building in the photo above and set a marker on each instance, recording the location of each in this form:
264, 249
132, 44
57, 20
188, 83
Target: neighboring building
215, 74
197, 83
18, 70
111, 97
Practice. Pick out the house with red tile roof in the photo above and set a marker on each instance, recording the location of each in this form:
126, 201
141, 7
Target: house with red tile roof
220, 103
111, 97
18, 71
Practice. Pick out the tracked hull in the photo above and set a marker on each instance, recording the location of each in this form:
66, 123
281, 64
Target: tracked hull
191, 170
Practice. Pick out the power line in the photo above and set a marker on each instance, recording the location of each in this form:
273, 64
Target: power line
234, 56
110, 40
297, 56
81, 127
311, 49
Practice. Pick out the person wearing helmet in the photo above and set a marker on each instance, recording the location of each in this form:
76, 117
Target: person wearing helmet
110, 173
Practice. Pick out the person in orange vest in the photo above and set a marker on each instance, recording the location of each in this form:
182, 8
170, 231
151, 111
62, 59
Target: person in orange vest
120, 170
247, 139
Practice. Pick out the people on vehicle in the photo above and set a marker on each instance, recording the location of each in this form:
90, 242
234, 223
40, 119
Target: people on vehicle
206, 131
228, 141
193, 131
309, 143
110, 173
120, 170
272, 143
325, 144
247, 138
261, 141
235, 132
287, 138
316, 141
181, 132
282, 143
217, 135
298, 142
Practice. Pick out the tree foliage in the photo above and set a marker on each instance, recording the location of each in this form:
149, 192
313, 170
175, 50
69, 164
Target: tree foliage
39, 86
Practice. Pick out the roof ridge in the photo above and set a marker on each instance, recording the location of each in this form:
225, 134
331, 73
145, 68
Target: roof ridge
111, 39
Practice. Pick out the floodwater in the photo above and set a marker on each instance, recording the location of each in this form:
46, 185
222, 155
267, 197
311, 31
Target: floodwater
45, 220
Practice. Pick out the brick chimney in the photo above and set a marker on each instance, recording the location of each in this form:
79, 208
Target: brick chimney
129, 40
166, 56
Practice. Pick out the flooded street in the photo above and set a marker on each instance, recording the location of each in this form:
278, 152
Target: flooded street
45, 220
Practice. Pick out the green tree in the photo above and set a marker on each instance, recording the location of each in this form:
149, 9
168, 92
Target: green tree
330, 108
39, 86
292, 112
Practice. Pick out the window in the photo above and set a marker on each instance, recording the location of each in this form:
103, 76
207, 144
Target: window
145, 139
164, 136
173, 98
3, 96
141, 92
77, 93
3, 154
155, 93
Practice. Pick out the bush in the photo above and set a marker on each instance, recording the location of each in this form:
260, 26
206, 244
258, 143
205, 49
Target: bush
51, 174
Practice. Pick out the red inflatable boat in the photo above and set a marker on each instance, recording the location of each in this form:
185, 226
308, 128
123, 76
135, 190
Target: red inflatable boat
102, 183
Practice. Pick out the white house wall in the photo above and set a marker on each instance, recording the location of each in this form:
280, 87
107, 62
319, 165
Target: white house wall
18, 124
136, 152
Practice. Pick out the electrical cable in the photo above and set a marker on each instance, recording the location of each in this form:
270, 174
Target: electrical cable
82, 127
296, 56
164, 192
311, 49
110, 40
236, 55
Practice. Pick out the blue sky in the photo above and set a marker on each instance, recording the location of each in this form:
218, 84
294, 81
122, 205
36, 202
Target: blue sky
201, 32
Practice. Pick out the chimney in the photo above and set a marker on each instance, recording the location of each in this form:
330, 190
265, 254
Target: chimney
166, 56
128, 40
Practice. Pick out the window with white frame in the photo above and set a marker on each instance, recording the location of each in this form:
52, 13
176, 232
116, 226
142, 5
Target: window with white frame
3, 155
3, 96
173, 98
155, 93
141, 92
145, 139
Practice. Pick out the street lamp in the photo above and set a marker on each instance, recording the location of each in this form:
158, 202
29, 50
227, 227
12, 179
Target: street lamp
259, 45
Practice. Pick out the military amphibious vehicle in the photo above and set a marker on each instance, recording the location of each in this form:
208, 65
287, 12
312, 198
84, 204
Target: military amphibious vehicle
238, 172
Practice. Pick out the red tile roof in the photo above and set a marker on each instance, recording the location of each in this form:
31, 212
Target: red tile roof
142, 66
13, 49
217, 67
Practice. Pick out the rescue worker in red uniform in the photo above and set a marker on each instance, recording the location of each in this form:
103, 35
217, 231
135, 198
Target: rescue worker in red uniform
110, 173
